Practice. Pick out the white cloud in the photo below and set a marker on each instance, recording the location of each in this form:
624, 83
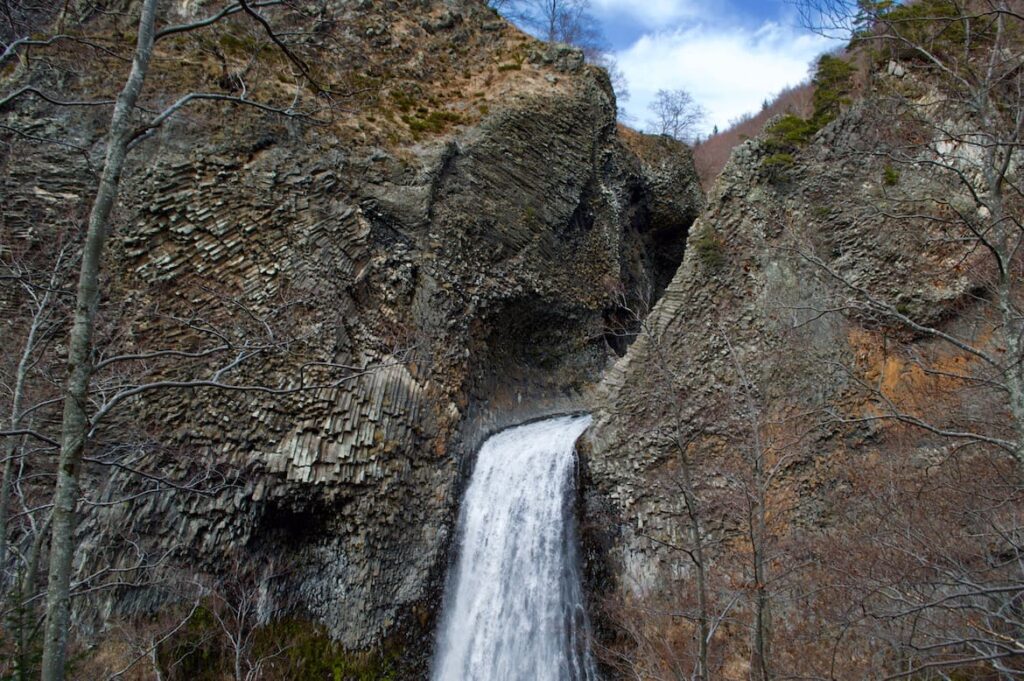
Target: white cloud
729, 70
649, 13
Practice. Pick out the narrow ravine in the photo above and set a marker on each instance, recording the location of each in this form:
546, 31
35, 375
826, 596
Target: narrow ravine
513, 608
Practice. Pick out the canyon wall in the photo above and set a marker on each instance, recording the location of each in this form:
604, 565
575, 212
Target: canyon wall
433, 285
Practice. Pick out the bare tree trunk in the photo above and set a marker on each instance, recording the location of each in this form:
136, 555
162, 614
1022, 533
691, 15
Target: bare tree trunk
1011, 331
154, 659
75, 423
26, 589
757, 525
238, 660
9, 451
762, 615
1004, 245
691, 501
697, 556
1014, 381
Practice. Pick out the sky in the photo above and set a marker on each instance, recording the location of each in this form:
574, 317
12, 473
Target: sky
730, 55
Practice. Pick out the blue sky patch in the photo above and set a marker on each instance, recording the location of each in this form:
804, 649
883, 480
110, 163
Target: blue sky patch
729, 55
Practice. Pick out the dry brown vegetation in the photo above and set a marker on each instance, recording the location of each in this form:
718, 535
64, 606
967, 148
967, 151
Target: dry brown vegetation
389, 83
711, 155
910, 569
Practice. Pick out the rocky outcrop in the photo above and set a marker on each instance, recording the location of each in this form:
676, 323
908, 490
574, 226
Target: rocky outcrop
755, 336
740, 271
432, 290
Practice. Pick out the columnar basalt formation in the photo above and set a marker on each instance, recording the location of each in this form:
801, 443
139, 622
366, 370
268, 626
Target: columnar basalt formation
433, 289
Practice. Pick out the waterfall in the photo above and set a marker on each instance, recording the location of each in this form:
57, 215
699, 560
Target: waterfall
513, 606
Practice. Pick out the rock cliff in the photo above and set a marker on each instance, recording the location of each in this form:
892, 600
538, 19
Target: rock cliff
771, 344
459, 279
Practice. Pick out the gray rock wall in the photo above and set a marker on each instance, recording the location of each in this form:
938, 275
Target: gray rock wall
748, 296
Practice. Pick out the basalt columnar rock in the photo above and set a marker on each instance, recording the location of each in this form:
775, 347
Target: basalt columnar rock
462, 277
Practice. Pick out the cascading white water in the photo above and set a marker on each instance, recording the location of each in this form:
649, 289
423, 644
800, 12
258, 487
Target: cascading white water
514, 605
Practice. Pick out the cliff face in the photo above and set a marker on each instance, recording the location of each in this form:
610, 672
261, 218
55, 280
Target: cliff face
760, 274
434, 289
776, 341
724, 313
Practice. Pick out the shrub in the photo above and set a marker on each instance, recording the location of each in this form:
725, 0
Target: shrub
787, 133
291, 648
404, 101
515, 65
833, 79
777, 164
432, 122
710, 157
709, 248
890, 176
779, 160
833, 82
930, 23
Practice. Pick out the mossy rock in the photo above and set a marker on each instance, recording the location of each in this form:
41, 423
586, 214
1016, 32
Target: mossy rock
292, 648
710, 249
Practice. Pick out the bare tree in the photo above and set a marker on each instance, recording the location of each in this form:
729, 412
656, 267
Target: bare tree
759, 475
741, 571
682, 435
969, 53
570, 22
144, 639
676, 114
615, 74
42, 291
695, 441
19, 17
559, 21
240, 604
75, 422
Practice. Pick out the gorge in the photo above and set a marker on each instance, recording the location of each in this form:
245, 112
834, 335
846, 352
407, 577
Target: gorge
363, 258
